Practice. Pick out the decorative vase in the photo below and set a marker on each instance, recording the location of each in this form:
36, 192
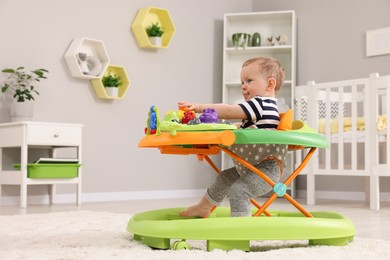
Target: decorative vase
155, 41
112, 91
241, 40
256, 39
21, 111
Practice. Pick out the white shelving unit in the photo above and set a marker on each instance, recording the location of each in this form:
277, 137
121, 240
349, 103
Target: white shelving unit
267, 24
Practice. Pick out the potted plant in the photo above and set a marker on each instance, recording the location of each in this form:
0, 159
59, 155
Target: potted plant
111, 83
155, 32
20, 84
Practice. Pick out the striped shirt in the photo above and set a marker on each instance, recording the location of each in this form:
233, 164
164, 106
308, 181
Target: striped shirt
261, 112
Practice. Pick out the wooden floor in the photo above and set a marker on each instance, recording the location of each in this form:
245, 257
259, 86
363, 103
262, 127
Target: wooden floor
368, 223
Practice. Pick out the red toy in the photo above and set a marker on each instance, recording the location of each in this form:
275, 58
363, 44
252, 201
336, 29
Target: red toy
188, 116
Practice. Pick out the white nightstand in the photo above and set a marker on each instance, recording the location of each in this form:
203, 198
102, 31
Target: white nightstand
40, 135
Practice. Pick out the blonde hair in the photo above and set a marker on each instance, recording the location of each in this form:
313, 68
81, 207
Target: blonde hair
269, 68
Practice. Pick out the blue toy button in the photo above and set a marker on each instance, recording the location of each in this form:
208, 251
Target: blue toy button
280, 189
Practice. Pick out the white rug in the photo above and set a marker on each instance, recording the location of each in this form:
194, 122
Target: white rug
102, 235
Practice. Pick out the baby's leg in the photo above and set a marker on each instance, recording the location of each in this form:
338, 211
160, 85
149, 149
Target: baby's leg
214, 195
249, 186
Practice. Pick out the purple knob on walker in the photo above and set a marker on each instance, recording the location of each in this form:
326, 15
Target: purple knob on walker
209, 116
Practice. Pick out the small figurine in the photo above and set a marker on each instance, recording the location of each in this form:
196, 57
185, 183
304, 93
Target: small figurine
282, 39
271, 41
209, 116
82, 58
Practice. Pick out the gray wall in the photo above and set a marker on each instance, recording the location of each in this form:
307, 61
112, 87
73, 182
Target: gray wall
37, 34
332, 46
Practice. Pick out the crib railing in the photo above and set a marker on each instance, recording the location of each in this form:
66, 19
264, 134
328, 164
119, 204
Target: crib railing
380, 164
346, 113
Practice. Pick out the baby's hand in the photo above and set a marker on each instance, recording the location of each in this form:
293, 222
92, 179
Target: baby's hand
186, 106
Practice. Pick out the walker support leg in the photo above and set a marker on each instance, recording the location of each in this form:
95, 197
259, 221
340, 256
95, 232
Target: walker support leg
156, 242
212, 164
137, 237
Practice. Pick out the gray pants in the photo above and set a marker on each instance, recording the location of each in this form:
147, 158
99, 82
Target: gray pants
241, 189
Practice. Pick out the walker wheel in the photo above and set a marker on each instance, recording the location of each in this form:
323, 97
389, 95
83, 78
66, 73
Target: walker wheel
180, 245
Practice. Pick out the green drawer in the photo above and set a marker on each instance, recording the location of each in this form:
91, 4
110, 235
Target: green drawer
48, 170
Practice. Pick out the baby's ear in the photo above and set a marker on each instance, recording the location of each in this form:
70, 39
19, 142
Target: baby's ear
271, 83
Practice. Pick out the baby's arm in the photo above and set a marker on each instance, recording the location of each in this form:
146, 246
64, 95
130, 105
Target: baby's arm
225, 111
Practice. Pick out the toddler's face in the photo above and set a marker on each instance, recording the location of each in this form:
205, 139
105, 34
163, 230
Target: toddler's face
253, 83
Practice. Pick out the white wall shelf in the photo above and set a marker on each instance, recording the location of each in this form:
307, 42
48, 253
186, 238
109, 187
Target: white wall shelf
97, 58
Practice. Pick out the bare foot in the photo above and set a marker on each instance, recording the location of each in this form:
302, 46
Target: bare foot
195, 211
202, 209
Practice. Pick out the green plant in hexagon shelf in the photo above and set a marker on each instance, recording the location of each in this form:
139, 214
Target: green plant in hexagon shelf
111, 82
155, 32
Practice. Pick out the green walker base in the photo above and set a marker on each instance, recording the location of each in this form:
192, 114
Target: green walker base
156, 229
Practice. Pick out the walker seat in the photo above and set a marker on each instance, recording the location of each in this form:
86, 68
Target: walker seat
158, 227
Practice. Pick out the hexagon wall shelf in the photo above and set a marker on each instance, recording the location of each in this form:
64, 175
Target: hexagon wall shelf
96, 59
117, 70
144, 18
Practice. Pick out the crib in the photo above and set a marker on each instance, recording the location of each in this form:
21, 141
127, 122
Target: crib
352, 116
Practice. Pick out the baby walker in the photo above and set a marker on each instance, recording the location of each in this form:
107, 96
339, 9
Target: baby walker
202, 137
